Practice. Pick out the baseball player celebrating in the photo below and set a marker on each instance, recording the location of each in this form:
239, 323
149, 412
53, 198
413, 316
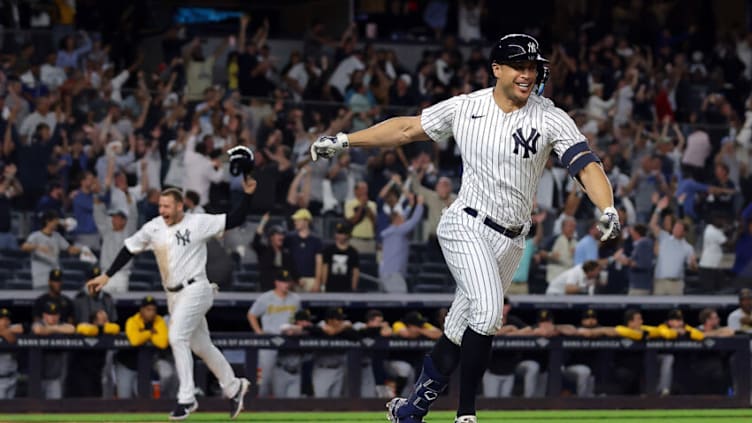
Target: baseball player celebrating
505, 137
179, 244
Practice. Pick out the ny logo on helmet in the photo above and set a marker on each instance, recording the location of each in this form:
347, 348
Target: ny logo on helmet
529, 144
531, 47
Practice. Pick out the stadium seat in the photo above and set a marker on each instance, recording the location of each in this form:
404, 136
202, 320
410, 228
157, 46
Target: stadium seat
73, 263
249, 267
430, 282
434, 267
433, 255
24, 274
146, 266
536, 283
417, 246
16, 254
367, 257
251, 275
18, 283
145, 262
414, 256
142, 276
428, 288
139, 286
9, 265
369, 283
74, 279
369, 268
246, 281
146, 255
244, 286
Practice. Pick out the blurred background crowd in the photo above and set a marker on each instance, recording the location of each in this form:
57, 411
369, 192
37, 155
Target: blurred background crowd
102, 109
91, 134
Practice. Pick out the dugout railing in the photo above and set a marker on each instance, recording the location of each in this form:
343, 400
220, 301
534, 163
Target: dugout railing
737, 349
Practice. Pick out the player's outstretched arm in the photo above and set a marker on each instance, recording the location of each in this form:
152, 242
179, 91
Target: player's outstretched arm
599, 190
237, 216
390, 133
123, 257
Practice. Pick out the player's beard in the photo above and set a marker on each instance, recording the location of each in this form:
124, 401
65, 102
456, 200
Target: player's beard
511, 91
171, 219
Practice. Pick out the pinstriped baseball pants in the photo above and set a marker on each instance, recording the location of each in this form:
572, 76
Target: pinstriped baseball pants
188, 332
482, 262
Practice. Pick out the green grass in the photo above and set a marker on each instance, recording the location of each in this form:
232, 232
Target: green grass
594, 416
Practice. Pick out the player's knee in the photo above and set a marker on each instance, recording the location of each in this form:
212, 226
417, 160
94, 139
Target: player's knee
199, 350
177, 338
486, 322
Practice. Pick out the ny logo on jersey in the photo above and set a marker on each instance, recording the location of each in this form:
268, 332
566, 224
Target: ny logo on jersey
530, 144
184, 238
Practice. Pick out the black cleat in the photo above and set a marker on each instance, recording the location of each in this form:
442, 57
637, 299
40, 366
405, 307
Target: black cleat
236, 402
182, 411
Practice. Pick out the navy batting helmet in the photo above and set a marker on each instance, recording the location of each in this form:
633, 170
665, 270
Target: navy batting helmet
520, 48
241, 160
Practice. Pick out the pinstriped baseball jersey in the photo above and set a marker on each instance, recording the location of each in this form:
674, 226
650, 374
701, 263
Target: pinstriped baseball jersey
503, 153
180, 249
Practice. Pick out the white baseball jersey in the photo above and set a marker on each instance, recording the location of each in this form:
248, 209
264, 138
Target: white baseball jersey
180, 249
503, 154
574, 276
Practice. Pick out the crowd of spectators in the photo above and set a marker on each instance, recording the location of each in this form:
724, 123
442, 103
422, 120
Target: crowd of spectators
89, 142
85, 137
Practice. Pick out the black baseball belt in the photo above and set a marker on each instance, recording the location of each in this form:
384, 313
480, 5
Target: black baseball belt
179, 287
508, 232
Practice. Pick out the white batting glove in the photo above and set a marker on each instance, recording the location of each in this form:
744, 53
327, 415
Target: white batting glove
329, 146
609, 224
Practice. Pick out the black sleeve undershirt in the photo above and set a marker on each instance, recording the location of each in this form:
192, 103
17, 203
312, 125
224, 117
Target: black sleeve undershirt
237, 216
123, 257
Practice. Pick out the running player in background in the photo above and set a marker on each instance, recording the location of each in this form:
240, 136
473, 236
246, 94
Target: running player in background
505, 137
179, 244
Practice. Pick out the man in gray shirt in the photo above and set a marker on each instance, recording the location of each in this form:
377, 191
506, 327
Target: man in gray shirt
45, 246
646, 180
275, 308
114, 230
396, 245
8, 364
436, 199
673, 253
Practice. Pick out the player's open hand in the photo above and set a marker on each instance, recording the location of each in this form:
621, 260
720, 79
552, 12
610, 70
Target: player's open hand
95, 285
329, 146
249, 185
609, 224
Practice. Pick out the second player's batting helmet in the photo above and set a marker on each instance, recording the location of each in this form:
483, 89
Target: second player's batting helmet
518, 48
241, 160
